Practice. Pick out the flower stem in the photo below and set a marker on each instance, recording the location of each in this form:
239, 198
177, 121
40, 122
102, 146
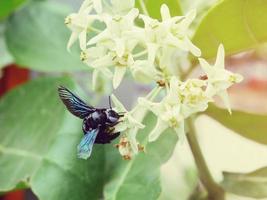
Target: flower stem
215, 192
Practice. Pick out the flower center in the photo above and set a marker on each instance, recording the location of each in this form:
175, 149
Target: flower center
67, 20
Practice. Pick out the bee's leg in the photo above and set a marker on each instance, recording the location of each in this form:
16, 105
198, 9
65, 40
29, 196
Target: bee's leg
113, 136
112, 124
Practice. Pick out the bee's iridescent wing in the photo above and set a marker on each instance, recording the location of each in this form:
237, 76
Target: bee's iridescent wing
86, 145
74, 104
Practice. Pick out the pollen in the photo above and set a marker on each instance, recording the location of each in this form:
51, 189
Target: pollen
67, 20
232, 79
83, 56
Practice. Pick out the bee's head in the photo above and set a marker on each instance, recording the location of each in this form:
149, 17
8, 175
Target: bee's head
112, 116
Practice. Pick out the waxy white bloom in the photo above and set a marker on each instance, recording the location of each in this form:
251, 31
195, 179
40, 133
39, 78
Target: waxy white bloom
183, 100
120, 63
128, 125
190, 94
119, 54
144, 71
125, 148
219, 79
119, 6
168, 116
171, 31
115, 27
156, 53
79, 22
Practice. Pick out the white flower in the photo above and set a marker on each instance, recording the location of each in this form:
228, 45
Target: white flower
190, 94
119, 6
79, 22
120, 64
168, 115
219, 79
129, 125
125, 148
116, 25
183, 100
171, 31
180, 31
144, 71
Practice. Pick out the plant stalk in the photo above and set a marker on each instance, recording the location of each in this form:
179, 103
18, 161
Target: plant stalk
215, 192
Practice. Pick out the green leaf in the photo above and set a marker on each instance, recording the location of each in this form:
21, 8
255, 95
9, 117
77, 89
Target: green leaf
240, 25
38, 145
6, 58
63, 176
253, 184
200, 5
8, 6
153, 7
251, 126
23, 119
37, 38
140, 177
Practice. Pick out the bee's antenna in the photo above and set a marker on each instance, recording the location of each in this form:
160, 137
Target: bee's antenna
109, 101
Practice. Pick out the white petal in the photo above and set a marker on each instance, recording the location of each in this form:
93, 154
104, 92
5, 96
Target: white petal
142, 71
103, 62
152, 50
173, 94
132, 139
165, 12
74, 36
95, 79
176, 42
153, 93
85, 5
156, 108
120, 47
132, 15
122, 6
118, 105
205, 65
225, 98
147, 20
210, 91
82, 38
98, 5
135, 122
238, 78
189, 19
192, 48
106, 72
220, 57
100, 37
160, 127
118, 76
176, 112
181, 132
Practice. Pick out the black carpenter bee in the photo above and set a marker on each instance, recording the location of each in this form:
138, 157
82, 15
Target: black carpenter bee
98, 124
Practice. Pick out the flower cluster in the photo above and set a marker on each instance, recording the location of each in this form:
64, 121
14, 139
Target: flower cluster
112, 44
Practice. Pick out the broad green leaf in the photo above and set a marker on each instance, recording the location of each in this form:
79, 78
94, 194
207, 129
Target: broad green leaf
38, 145
37, 38
153, 7
199, 5
140, 177
253, 184
63, 176
239, 25
252, 126
5, 57
24, 114
8, 6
